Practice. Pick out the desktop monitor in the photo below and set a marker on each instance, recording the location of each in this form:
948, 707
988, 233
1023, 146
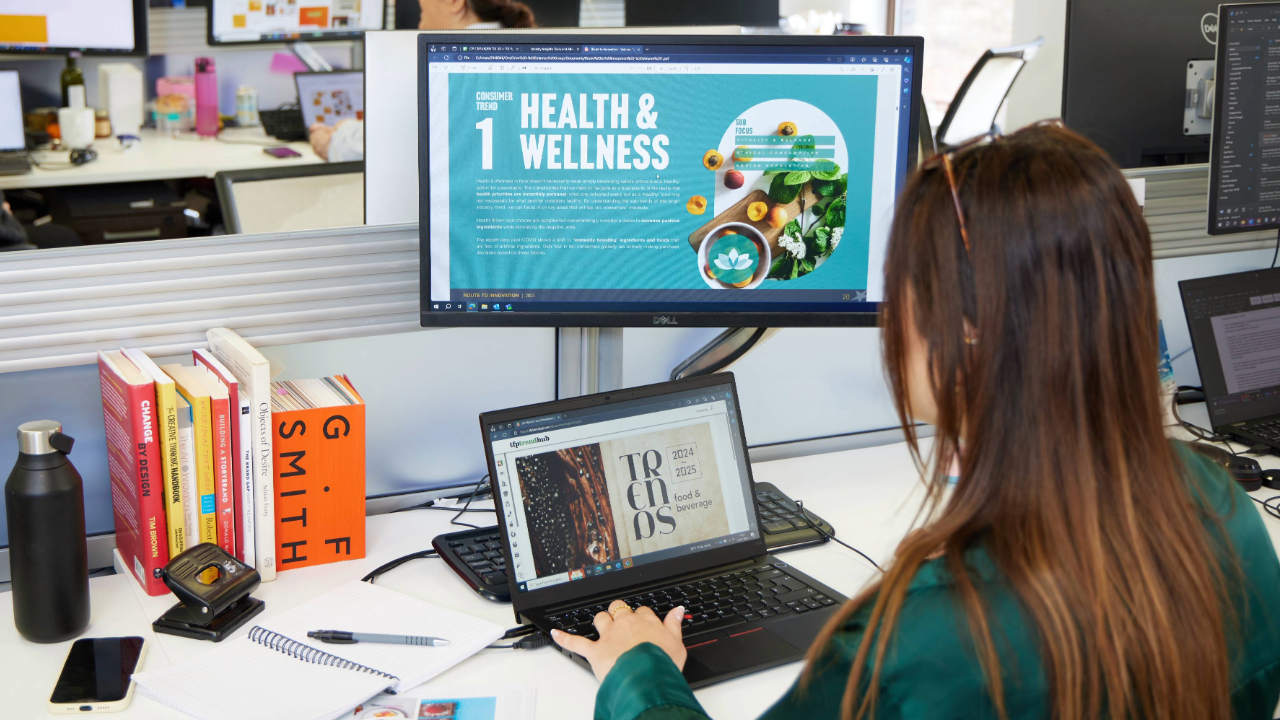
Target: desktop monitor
660, 13
660, 180
1126, 77
239, 22
1244, 173
546, 13
91, 27
12, 137
330, 97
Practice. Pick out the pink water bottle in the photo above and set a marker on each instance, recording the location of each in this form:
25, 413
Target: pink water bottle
206, 97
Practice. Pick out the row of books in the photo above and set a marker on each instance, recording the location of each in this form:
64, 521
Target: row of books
193, 453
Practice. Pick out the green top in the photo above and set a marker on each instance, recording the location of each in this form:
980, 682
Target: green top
932, 672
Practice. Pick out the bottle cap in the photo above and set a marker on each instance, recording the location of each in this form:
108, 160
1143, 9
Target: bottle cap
34, 437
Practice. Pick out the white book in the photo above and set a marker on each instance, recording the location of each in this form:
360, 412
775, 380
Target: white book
187, 470
253, 373
243, 430
276, 671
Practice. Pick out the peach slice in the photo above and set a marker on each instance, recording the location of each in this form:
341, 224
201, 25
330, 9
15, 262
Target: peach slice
712, 160
787, 128
756, 211
696, 205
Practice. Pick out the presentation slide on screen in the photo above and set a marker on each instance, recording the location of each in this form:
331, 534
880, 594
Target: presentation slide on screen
585, 500
101, 24
738, 178
251, 19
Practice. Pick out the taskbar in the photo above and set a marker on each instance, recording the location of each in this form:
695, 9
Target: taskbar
679, 308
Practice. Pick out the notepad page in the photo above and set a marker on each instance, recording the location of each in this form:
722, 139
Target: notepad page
246, 681
366, 608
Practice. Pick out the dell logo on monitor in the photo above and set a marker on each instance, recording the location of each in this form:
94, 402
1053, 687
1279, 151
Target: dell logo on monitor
1209, 28
665, 320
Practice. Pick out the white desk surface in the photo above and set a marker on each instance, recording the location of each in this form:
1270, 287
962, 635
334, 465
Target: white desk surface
161, 157
869, 496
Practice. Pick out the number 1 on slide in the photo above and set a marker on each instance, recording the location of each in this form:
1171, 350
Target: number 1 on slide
485, 127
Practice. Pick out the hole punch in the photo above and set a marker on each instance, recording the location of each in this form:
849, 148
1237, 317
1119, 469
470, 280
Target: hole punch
213, 592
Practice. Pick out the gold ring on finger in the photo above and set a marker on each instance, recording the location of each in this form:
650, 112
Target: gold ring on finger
617, 608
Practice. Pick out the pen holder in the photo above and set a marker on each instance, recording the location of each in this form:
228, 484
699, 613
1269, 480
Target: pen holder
213, 589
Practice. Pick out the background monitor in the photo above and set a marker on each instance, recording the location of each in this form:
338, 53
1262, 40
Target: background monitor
330, 97
661, 13
92, 27
660, 180
546, 13
12, 137
236, 22
1125, 77
1244, 175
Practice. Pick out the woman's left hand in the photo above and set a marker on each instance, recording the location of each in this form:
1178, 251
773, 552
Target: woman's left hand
623, 630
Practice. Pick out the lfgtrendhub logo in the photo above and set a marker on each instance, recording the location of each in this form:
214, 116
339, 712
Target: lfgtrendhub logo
517, 444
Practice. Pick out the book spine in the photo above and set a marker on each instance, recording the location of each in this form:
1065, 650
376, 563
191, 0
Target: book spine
187, 469
124, 500
242, 510
200, 420
244, 449
152, 550
224, 481
167, 409
264, 492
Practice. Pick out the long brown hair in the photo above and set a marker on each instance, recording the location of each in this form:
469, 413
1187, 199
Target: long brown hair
1042, 345
508, 13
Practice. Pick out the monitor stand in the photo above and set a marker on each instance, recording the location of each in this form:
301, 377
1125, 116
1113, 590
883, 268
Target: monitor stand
723, 351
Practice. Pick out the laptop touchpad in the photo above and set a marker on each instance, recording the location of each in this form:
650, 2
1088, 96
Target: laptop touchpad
746, 650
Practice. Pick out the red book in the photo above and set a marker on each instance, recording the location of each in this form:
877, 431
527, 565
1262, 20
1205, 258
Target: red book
242, 515
133, 461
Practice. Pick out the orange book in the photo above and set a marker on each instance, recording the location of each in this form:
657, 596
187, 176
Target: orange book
318, 449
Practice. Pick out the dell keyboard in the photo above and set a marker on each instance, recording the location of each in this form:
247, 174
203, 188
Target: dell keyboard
715, 603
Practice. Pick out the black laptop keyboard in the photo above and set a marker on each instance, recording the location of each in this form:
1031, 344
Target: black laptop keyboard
482, 552
1268, 430
716, 603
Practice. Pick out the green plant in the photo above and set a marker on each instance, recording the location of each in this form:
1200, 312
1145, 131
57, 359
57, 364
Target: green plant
803, 246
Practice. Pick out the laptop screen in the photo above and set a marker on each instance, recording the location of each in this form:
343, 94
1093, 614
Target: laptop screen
11, 137
330, 97
609, 489
1234, 322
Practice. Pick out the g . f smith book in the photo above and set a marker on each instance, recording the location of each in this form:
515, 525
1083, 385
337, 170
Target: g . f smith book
625, 497
133, 462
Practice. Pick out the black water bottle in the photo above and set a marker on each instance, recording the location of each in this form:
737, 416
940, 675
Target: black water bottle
48, 560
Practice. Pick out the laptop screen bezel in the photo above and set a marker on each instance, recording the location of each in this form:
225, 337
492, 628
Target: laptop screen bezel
641, 574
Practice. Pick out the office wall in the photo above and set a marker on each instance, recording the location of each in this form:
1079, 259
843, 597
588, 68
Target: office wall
1038, 92
423, 391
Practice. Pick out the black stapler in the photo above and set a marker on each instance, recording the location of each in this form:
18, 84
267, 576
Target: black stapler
213, 589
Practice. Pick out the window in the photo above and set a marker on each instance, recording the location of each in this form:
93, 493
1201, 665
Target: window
956, 33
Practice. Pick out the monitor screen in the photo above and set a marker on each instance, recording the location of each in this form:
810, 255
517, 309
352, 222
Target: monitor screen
610, 489
11, 133
1244, 172
330, 97
274, 21
660, 180
97, 27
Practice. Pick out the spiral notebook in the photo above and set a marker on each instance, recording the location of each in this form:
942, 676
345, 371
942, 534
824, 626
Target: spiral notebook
278, 672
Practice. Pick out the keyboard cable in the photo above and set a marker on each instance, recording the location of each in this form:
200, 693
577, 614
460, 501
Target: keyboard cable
816, 526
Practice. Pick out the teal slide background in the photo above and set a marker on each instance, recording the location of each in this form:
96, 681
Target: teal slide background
693, 112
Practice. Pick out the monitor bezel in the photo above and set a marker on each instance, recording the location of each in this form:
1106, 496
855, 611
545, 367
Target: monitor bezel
1215, 138
348, 36
141, 47
673, 567
860, 318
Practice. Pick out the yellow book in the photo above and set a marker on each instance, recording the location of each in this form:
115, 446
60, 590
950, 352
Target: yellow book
170, 466
193, 390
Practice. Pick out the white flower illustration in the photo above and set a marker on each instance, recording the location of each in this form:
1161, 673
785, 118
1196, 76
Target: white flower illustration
733, 261
836, 234
792, 244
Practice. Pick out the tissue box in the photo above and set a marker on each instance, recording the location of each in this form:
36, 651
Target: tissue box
120, 94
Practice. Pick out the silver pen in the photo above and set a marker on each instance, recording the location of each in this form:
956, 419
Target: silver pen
340, 637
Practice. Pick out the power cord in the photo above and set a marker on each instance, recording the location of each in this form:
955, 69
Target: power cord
388, 567
817, 526
1272, 510
467, 505
1198, 432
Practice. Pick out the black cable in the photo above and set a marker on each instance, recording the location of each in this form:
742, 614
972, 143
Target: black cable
817, 526
532, 641
388, 567
1273, 511
1276, 255
454, 521
1198, 432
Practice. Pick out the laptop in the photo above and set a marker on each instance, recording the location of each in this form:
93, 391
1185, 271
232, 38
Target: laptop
1234, 321
646, 495
330, 97
14, 159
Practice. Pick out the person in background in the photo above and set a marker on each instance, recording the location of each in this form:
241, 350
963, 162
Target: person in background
1083, 565
344, 142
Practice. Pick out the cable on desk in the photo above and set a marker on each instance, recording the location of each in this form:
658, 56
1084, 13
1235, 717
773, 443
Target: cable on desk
54, 165
1272, 510
816, 526
1198, 432
532, 641
454, 520
388, 567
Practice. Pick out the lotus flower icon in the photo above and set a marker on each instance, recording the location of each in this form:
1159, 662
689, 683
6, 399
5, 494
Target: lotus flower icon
733, 261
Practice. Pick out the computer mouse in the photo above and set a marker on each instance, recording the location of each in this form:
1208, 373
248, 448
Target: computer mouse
1245, 470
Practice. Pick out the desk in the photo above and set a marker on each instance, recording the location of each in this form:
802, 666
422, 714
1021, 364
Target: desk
161, 157
869, 495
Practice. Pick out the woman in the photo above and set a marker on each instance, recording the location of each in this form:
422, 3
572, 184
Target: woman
1083, 566
344, 142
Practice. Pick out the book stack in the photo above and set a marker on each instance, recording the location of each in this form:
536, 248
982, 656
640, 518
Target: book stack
191, 460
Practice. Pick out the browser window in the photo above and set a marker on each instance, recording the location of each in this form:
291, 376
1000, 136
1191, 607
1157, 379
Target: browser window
607, 489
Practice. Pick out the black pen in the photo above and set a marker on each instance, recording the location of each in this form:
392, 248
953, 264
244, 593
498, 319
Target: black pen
339, 637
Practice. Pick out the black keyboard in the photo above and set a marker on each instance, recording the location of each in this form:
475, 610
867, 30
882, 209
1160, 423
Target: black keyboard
476, 555
285, 124
784, 525
14, 163
715, 603
1267, 431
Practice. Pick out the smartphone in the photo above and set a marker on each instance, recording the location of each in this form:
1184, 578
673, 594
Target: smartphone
97, 676
282, 152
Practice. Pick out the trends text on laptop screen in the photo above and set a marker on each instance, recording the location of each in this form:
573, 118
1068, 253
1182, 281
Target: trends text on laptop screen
662, 178
602, 490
